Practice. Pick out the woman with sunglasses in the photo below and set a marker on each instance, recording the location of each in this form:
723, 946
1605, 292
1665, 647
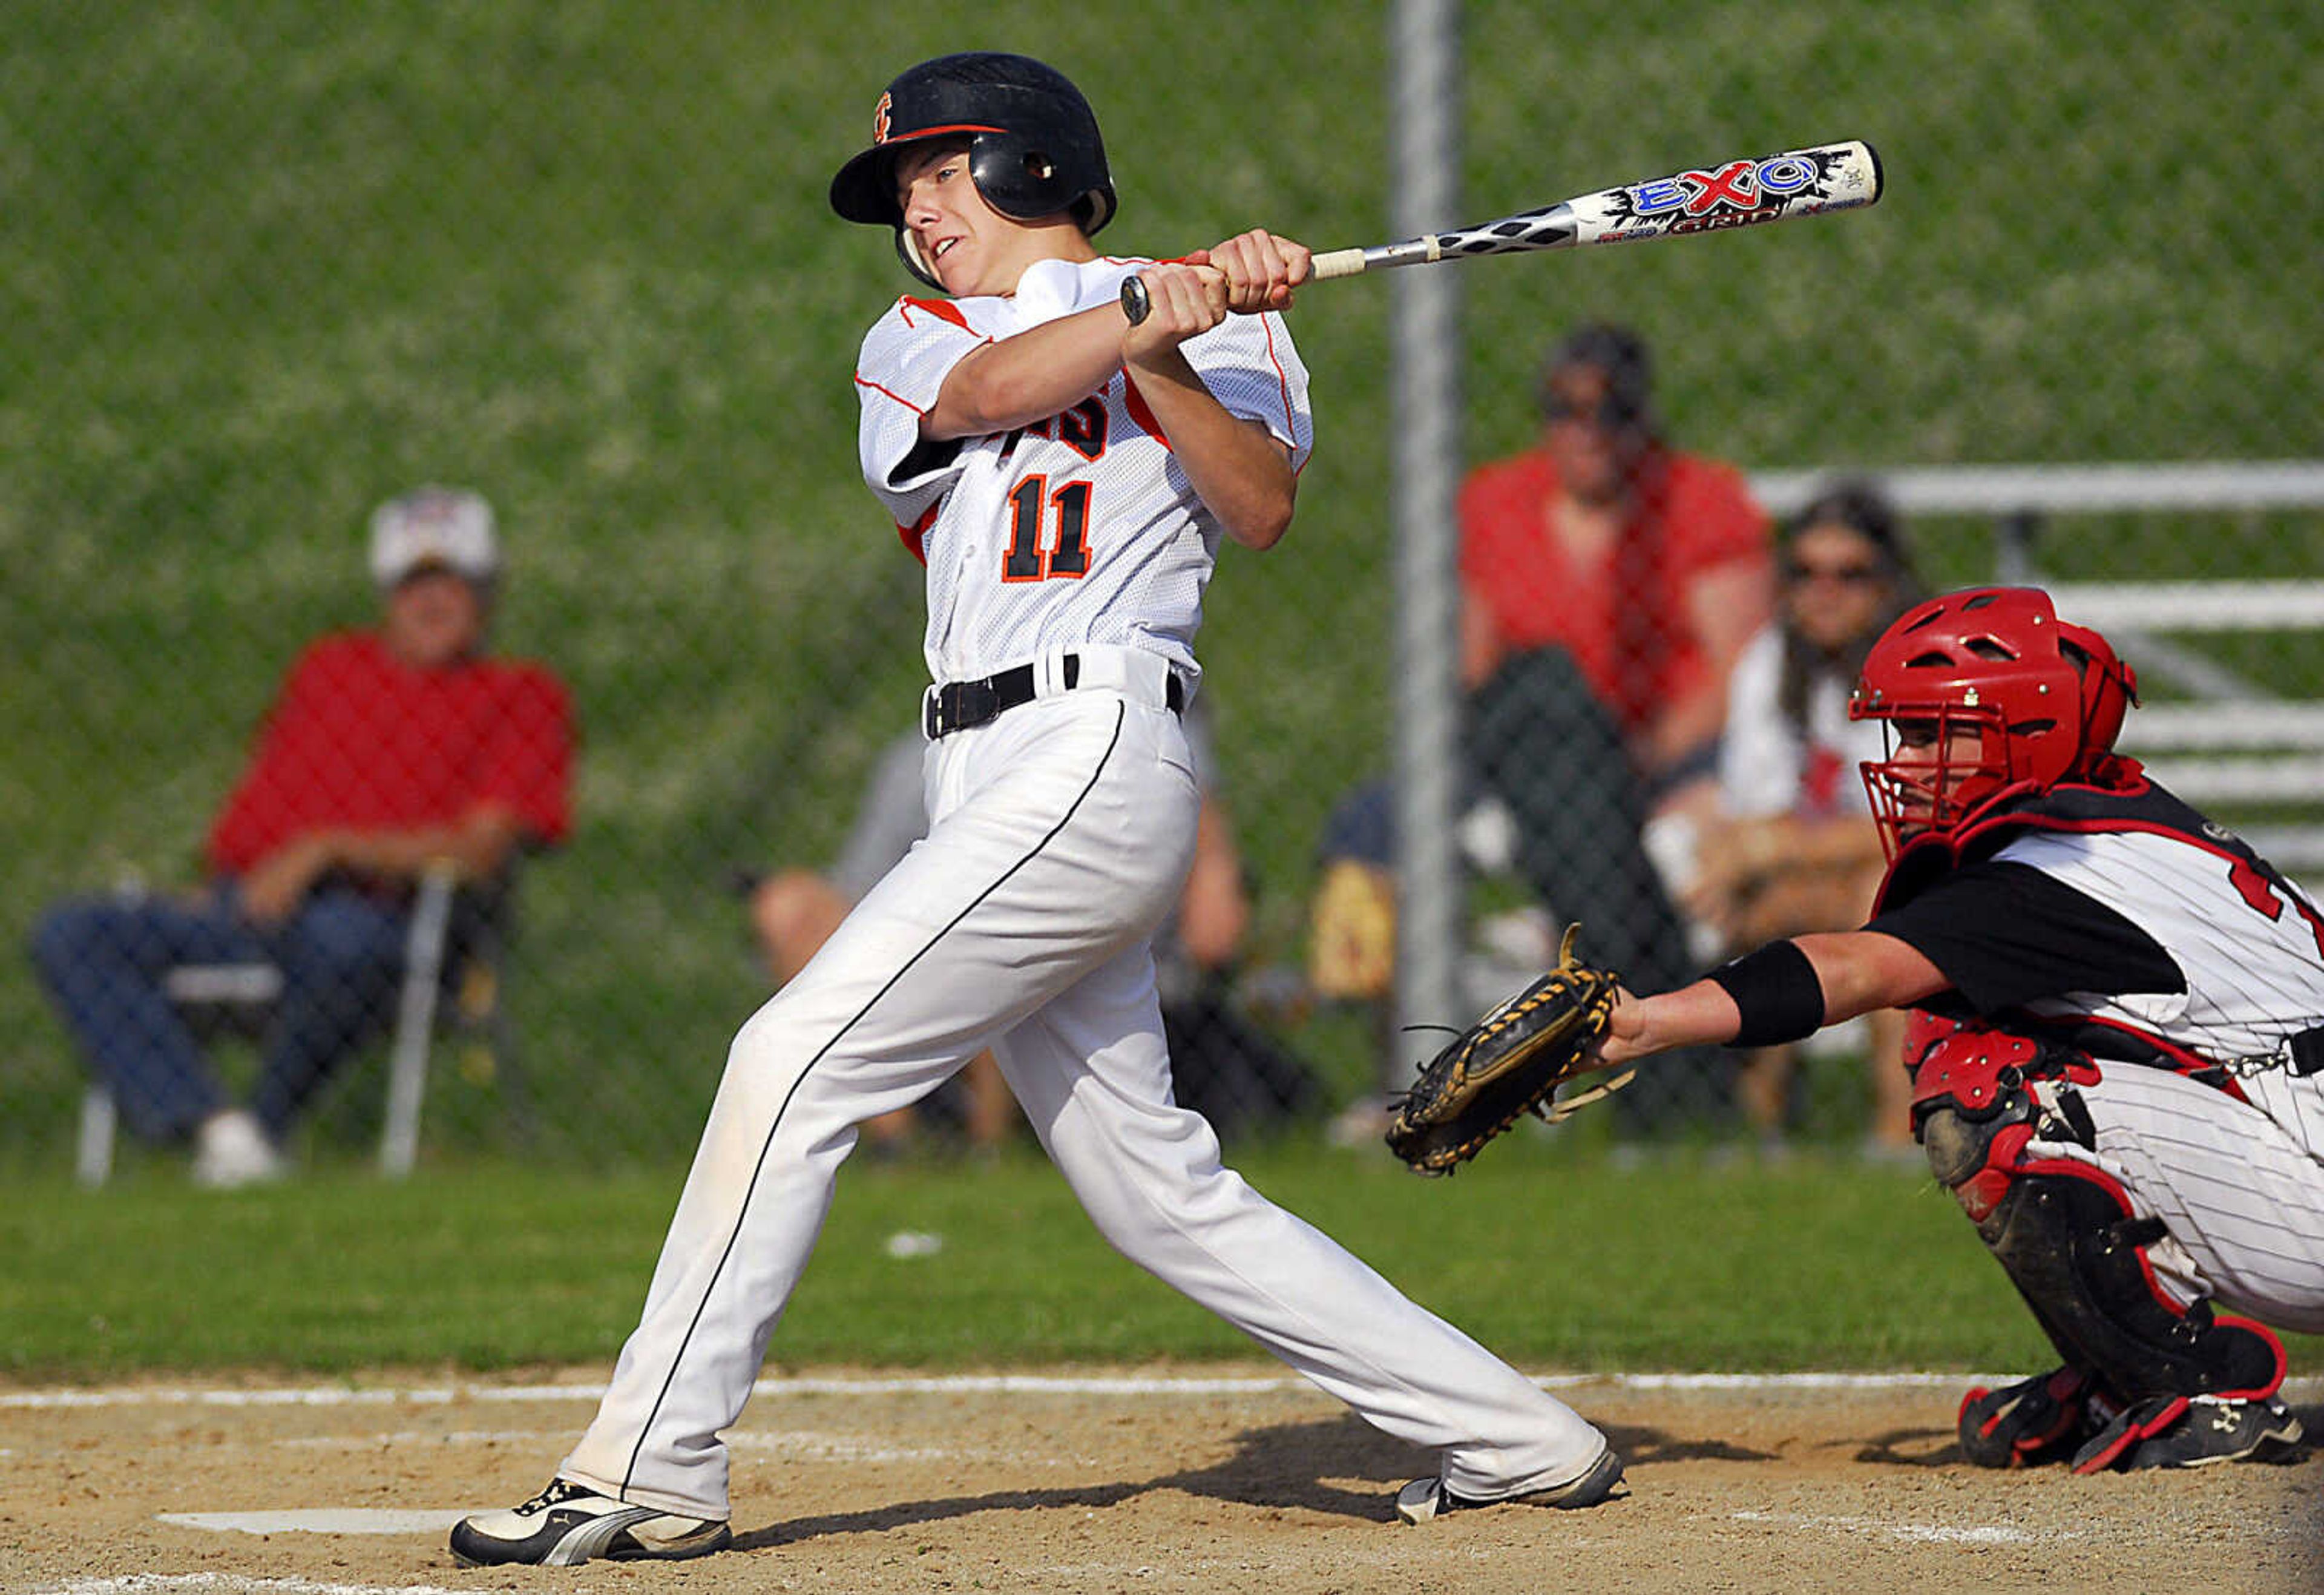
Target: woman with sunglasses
1791, 846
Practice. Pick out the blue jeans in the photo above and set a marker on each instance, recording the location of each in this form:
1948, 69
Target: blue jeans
103, 961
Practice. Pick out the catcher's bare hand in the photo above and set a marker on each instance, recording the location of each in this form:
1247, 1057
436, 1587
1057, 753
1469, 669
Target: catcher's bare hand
1626, 1032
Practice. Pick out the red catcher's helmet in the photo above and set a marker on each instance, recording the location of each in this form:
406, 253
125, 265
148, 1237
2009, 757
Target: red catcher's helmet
1033, 144
2045, 698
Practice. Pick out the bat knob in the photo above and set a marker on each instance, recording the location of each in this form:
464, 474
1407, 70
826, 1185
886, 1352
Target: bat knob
1134, 301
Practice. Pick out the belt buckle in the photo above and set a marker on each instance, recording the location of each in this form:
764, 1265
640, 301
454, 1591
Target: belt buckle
977, 704
960, 705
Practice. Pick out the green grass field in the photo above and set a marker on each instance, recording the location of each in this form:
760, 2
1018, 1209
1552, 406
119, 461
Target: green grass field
261, 265
1553, 1255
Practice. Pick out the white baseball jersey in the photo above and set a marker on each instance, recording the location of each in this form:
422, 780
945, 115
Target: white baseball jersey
2252, 955
2243, 1200
1063, 532
1766, 765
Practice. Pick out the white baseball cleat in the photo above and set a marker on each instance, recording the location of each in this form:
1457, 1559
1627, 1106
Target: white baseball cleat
1428, 1498
568, 1524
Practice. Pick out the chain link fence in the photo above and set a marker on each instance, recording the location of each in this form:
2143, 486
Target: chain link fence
265, 265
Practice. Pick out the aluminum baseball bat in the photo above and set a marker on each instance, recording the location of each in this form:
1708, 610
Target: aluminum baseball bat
1811, 181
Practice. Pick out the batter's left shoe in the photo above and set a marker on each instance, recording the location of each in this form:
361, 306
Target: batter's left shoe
568, 1524
2194, 1432
1424, 1499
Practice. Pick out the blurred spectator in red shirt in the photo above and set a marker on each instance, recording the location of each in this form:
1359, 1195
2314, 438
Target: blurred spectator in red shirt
1610, 581
385, 752
1646, 568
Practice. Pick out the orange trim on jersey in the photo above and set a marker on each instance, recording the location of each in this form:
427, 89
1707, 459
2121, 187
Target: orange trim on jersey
916, 535
944, 312
864, 382
941, 309
1142, 412
1282, 381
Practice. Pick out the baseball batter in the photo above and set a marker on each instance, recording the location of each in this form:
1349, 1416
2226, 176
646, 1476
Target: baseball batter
1066, 478
2118, 1057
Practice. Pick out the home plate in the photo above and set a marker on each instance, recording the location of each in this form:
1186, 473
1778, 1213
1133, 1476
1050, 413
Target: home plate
320, 1520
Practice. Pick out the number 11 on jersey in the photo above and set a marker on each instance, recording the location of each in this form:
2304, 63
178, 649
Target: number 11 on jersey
1034, 558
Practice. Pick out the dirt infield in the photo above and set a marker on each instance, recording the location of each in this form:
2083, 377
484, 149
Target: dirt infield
1201, 1478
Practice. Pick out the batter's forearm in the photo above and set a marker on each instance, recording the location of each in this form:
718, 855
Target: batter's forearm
1241, 471
1029, 376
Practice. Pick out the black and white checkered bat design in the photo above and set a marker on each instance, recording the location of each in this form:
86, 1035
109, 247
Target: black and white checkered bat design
1700, 199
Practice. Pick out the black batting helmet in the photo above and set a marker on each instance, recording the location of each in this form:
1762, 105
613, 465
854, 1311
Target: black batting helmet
1033, 143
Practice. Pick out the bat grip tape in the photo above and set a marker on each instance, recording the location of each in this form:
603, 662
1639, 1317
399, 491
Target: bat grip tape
1776, 990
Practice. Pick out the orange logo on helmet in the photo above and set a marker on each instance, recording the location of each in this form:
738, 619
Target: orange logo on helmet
879, 119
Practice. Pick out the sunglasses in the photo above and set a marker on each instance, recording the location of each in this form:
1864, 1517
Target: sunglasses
1611, 414
1849, 575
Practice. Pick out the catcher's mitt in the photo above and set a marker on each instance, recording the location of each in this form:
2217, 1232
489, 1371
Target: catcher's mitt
1510, 1062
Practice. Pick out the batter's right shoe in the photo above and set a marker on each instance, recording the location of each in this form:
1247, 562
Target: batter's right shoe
568, 1524
1425, 1499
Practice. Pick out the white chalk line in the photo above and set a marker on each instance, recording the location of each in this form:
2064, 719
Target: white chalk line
323, 1520
970, 1385
1917, 1533
808, 1445
154, 1583
418, 1437
804, 1445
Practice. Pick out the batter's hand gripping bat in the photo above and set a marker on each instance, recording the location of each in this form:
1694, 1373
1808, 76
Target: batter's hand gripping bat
1712, 200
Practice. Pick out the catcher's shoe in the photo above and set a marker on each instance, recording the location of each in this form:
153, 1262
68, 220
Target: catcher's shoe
1426, 1499
568, 1524
2032, 1422
2194, 1432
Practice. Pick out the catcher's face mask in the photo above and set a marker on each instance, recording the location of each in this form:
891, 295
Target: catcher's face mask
1987, 696
1941, 767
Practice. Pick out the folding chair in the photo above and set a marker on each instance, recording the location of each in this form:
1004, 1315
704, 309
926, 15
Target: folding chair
469, 927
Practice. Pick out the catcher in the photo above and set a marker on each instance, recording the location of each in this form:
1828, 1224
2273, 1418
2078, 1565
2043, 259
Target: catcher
2117, 1049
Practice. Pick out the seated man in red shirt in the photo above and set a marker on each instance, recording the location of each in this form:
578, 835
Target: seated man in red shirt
385, 752
1610, 581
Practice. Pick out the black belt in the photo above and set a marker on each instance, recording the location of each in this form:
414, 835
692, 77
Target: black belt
960, 706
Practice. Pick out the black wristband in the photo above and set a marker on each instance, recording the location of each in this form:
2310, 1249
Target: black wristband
1777, 992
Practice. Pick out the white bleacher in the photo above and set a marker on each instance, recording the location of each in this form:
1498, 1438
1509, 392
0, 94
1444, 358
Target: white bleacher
2235, 741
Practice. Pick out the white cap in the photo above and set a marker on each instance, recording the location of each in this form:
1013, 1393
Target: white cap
434, 526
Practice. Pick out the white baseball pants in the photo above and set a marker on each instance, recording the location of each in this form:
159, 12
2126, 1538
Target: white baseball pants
1062, 833
2242, 1198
